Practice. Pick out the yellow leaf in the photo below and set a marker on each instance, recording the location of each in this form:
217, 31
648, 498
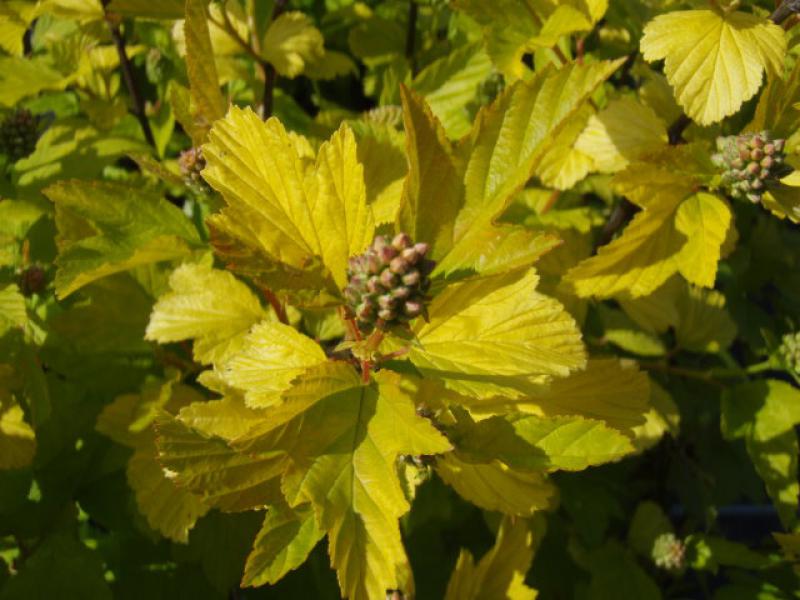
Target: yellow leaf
663, 417
704, 219
497, 487
280, 214
565, 164
500, 573
620, 133
271, 356
704, 324
715, 61
496, 336
208, 305
291, 41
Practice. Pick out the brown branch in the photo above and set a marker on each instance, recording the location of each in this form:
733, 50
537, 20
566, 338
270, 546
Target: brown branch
130, 82
785, 9
675, 131
270, 74
277, 305
411, 36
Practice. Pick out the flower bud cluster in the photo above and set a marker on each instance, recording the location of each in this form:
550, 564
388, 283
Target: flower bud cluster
790, 352
192, 163
749, 162
387, 284
669, 553
19, 133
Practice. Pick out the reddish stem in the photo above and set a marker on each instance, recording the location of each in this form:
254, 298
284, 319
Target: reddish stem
276, 305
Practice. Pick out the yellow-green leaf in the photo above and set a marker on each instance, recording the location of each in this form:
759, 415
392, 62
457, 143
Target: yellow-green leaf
17, 438
704, 324
715, 61
500, 573
208, 103
497, 336
496, 487
620, 133
343, 460
280, 214
271, 356
704, 219
169, 509
283, 543
291, 41
208, 305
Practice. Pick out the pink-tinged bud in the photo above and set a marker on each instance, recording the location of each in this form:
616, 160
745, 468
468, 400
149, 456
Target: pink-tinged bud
379, 243
373, 263
757, 184
386, 314
386, 301
737, 163
767, 162
411, 278
757, 154
769, 149
410, 255
387, 253
374, 285
401, 293
757, 141
422, 248
779, 145
753, 168
764, 174
398, 265
388, 279
412, 308
401, 241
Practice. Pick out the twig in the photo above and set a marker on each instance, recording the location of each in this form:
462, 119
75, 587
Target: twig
130, 82
785, 10
675, 131
276, 304
270, 74
411, 36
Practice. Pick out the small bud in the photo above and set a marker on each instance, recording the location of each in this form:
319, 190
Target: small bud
398, 265
779, 145
388, 279
757, 141
412, 308
364, 311
410, 255
386, 314
373, 263
736, 163
387, 253
757, 154
401, 241
374, 284
767, 162
422, 248
387, 301
753, 168
401, 293
411, 278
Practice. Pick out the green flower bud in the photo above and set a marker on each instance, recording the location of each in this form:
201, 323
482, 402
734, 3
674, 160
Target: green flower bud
669, 553
748, 163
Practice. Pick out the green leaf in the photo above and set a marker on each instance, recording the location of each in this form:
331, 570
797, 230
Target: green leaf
704, 323
106, 228
270, 358
22, 77
500, 573
60, 567
649, 521
208, 104
494, 486
712, 51
283, 544
764, 414
342, 463
208, 305
617, 576
281, 215
166, 9
709, 552
496, 336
